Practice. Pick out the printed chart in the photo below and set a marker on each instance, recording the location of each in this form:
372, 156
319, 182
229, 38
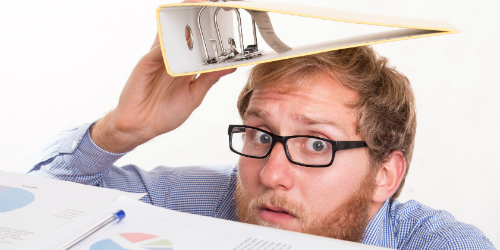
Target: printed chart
12, 198
125, 241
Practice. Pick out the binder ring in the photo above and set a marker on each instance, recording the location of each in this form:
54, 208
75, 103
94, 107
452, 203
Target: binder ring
249, 52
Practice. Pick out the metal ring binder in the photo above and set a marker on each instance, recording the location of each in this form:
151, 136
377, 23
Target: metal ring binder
201, 34
231, 54
239, 28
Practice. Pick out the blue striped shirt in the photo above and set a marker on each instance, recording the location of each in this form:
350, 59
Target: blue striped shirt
209, 191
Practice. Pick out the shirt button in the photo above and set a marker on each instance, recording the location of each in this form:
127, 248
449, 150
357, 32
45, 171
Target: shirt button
73, 145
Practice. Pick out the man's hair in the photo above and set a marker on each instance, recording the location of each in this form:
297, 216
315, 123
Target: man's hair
385, 106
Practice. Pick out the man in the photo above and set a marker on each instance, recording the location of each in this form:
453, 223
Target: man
325, 147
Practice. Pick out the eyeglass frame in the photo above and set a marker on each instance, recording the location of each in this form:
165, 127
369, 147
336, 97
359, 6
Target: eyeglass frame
336, 145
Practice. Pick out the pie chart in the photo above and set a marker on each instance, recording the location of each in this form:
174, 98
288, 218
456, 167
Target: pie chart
133, 241
12, 198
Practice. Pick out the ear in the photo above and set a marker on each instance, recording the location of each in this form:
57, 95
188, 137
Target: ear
389, 177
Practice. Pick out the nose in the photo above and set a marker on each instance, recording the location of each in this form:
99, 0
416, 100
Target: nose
278, 171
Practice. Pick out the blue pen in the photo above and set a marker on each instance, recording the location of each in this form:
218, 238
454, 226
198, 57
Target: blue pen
93, 231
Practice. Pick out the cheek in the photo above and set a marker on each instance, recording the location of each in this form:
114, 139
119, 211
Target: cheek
249, 174
321, 190
331, 186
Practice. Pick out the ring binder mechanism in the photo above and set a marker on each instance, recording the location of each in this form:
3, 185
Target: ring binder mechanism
231, 54
216, 47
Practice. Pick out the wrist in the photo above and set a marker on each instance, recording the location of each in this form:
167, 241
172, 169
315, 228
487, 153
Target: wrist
112, 138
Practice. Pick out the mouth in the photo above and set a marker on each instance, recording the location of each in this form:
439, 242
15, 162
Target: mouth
275, 214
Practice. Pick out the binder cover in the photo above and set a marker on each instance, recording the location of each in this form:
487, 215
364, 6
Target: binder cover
180, 60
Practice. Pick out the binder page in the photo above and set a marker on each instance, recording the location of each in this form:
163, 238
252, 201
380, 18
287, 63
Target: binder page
266, 30
31, 206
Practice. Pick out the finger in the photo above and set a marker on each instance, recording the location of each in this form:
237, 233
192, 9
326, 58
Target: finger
204, 82
183, 80
212, 77
219, 74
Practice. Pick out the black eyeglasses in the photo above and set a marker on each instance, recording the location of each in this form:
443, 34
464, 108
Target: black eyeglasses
303, 150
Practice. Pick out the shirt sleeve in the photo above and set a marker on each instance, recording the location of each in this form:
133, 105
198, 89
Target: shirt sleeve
469, 242
73, 156
421, 227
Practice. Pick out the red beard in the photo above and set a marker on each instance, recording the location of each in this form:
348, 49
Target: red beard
346, 222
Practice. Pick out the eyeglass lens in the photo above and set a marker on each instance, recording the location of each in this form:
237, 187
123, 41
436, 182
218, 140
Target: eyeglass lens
304, 150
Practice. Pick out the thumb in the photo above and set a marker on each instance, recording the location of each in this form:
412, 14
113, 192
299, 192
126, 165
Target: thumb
154, 57
156, 42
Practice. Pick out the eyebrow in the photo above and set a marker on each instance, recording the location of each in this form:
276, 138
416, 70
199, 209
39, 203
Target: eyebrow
256, 112
312, 121
297, 117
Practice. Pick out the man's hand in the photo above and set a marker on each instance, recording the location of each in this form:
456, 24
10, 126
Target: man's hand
152, 103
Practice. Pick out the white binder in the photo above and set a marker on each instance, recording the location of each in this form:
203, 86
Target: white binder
183, 25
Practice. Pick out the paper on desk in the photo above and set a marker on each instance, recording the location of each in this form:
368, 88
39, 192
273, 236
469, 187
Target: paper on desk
31, 206
150, 227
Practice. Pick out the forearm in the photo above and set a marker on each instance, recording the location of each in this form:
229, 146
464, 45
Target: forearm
73, 156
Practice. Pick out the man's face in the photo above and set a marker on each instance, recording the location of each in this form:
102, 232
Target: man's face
332, 201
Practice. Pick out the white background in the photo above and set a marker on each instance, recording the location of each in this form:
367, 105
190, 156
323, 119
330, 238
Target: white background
63, 63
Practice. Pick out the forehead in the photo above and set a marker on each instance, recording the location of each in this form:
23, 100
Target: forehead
318, 100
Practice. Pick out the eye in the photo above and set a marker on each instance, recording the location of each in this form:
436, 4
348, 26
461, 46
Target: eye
315, 144
262, 137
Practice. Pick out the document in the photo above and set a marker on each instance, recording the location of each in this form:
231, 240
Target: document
146, 227
32, 206
39, 213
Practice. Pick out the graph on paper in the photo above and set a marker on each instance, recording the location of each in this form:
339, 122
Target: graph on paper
127, 241
12, 198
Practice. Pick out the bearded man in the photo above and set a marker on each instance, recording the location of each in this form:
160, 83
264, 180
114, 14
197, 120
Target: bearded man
325, 146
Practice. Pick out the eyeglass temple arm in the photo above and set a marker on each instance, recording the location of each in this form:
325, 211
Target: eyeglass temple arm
341, 145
